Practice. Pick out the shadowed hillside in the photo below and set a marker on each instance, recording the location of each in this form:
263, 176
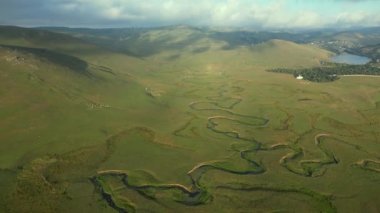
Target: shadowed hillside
35, 38
60, 59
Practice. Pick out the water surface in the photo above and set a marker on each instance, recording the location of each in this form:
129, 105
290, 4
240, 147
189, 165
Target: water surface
347, 58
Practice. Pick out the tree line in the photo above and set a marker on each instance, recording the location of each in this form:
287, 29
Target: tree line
329, 73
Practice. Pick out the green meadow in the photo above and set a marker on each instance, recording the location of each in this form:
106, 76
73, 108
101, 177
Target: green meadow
200, 128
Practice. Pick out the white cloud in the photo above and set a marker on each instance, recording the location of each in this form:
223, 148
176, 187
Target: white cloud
259, 13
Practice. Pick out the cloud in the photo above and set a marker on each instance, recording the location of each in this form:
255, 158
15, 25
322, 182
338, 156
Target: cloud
249, 13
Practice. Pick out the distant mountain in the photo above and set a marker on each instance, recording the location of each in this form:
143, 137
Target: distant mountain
144, 42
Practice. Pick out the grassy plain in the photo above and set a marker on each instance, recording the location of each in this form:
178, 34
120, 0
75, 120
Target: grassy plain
185, 131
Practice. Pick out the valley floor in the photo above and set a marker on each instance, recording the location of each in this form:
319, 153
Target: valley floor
205, 132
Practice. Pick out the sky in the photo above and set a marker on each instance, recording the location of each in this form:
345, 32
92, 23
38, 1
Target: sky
261, 14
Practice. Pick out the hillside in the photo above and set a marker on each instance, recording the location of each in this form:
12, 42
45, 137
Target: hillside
357, 41
371, 51
145, 42
50, 82
28, 37
60, 59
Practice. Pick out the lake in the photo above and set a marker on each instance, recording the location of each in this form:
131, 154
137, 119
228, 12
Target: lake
350, 59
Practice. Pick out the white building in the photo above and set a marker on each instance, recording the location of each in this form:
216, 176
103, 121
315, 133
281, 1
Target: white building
299, 77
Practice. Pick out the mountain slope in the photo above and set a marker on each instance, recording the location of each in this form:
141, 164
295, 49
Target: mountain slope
28, 37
